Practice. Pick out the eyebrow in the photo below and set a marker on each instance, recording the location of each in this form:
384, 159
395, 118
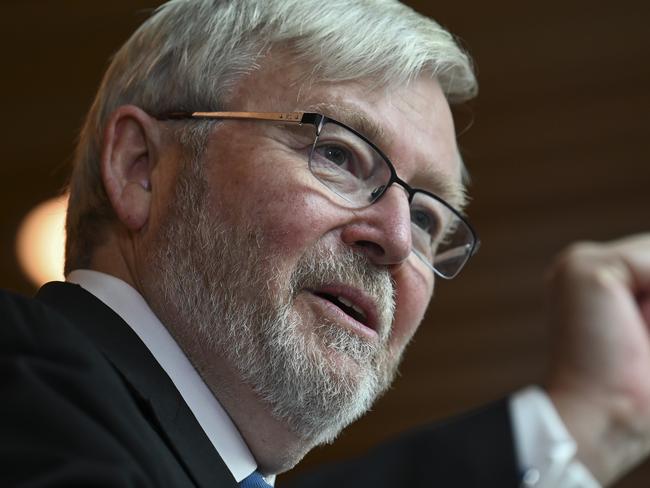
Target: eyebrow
454, 193
353, 117
435, 180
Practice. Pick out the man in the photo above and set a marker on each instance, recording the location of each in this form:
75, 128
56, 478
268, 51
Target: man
263, 195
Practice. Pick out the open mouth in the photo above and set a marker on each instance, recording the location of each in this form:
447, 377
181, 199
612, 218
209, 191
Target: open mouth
346, 306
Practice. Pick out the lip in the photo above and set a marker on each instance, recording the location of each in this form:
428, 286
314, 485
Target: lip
358, 298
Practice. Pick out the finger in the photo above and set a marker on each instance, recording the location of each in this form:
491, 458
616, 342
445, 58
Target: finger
634, 253
624, 261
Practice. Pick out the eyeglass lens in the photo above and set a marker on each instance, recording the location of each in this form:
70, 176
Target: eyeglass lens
353, 169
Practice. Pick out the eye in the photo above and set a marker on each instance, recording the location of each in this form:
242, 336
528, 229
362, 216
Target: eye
338, 155
343, 158
425, 221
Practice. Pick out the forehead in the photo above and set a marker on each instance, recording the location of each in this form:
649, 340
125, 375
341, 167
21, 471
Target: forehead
411, 124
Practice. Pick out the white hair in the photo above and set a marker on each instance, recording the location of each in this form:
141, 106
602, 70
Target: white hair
190, 54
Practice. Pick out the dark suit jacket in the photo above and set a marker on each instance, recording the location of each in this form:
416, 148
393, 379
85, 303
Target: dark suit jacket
84, 403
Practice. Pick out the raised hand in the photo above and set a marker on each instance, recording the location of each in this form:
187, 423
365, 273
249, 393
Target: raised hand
600, 371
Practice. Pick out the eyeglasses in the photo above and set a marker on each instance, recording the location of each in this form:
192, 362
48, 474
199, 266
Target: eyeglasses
355, 169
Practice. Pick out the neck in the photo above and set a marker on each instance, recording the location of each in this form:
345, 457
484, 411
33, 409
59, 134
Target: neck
273, 445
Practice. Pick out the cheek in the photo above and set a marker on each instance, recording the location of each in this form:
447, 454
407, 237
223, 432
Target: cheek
413, 294
292, 220
271, 193
287, 215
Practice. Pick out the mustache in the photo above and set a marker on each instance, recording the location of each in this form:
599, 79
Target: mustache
321, 266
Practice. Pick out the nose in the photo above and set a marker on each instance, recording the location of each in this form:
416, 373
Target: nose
382, 230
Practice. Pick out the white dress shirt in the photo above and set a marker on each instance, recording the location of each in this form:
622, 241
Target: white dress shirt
545, 449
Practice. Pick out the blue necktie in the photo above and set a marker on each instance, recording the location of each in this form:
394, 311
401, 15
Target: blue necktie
255, 480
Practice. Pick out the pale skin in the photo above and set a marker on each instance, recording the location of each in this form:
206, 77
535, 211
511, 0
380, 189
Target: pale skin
600, 380
600, 376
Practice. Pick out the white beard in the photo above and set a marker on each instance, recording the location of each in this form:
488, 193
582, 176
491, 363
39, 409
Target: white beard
315, 377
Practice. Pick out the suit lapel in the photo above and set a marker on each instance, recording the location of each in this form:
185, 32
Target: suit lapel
124, 349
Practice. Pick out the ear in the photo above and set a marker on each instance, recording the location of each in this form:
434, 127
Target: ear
127, 160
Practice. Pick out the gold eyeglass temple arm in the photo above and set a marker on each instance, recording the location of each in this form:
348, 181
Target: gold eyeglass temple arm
280, 116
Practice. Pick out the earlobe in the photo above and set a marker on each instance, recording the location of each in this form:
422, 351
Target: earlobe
126, 165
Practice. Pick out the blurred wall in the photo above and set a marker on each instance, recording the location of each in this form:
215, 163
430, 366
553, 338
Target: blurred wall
559, 151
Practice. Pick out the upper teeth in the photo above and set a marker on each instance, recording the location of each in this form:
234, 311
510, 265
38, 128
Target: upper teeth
348, 303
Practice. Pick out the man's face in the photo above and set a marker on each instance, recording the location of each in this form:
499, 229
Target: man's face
255, 251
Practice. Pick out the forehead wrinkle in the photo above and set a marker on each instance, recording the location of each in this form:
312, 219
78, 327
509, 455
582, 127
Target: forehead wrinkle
435, 180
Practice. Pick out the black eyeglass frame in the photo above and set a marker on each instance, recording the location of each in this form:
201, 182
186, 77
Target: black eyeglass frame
319, 121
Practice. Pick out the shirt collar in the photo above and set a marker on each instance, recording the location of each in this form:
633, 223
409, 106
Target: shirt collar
213, 419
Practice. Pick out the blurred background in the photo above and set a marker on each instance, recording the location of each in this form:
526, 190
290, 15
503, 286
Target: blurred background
559, 151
